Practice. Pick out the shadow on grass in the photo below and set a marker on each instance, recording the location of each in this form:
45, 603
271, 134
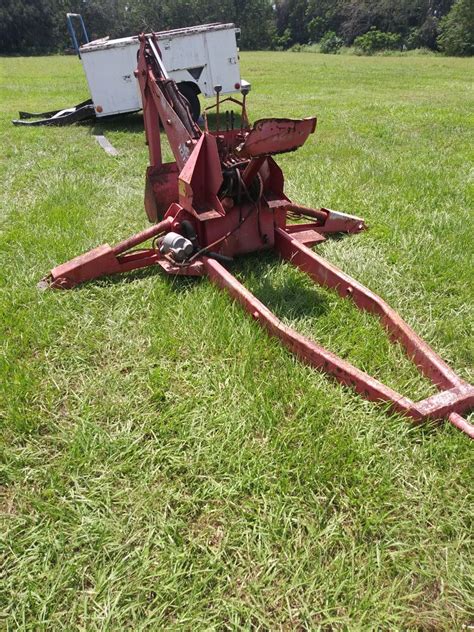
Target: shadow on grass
180, 284
132, 123
290, 299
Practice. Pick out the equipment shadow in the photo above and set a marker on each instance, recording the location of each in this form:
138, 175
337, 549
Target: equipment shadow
131, 123
286, 291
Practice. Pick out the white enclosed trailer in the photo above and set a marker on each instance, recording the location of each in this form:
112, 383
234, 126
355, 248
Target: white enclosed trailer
197, 58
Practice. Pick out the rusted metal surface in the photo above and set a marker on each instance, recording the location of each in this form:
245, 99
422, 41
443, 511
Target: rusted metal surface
457, 400
461, 424
328, 275
305, 349
105, 260
276, 136
329, 221
161, 189
222, 197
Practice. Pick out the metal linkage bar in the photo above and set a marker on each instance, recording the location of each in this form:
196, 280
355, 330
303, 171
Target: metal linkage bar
457, 396
328, 275
307, 350
107, 260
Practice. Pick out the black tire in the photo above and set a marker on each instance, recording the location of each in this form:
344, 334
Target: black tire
190, 94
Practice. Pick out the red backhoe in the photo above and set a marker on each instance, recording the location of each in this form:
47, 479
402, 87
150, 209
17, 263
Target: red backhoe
222, 197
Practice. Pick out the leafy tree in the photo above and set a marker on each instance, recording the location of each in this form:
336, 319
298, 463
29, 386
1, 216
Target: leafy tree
330, 43
38, 26
27, 27
375, 40
297, 22
281, 42
316, 28
307, 20
457, 29
256, 20
385, 15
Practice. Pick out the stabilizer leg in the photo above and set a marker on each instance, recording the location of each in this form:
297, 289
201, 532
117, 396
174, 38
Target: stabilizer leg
105, 260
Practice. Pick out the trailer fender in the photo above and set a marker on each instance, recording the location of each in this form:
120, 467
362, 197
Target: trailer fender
191, 91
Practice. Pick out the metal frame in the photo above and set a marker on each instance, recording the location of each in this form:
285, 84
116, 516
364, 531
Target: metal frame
456, 397
72, 30
58, 118
249, 212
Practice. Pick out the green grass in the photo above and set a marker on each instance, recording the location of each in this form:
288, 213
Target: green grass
166, 465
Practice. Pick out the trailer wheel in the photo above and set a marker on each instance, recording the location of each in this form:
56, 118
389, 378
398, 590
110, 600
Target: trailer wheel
190, 93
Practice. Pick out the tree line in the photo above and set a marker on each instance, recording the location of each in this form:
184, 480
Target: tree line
38, 26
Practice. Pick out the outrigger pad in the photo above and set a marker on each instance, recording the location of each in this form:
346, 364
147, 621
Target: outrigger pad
276, 136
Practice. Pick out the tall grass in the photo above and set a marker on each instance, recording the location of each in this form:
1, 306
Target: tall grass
168, 466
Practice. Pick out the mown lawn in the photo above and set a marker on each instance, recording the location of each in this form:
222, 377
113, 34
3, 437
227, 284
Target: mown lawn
168, 466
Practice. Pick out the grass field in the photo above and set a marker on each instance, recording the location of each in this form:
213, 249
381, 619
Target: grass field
168, 466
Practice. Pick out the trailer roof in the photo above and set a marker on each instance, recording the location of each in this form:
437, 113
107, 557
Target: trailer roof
105, 42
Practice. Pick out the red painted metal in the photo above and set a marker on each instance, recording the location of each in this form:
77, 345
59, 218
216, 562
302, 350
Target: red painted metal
107, 260
276, 136
449, 403
326, 274
225, 192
